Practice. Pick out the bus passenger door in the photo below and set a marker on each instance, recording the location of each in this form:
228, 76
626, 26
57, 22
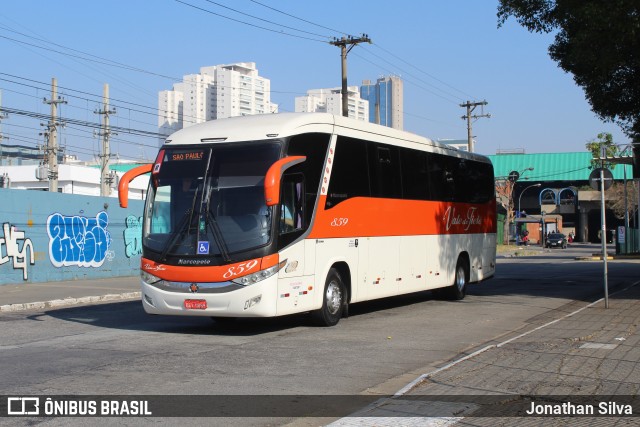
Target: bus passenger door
295, 287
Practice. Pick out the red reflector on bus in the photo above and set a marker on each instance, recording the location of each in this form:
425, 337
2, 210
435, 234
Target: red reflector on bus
195, 304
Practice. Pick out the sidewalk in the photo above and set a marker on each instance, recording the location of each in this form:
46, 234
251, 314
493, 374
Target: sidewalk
30, 296
589, 356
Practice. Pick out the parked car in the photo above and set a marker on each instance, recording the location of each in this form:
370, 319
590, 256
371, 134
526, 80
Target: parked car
556, 240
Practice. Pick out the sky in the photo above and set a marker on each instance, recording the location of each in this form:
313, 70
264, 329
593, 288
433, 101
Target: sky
446, 51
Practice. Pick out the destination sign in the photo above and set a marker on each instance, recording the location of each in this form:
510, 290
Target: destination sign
181, 156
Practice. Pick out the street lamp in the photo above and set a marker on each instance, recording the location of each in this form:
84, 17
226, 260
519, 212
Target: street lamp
530, 168
519, 200
513, 178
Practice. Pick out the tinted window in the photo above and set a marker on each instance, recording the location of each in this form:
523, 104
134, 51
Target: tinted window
363, 168
477, 178
350, 172
415, 174
460, 180
386, 172
441, 177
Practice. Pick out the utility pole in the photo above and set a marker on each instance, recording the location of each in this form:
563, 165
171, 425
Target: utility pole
349, 41
3, 116
52, 136
603, 229
470, 107
106, 177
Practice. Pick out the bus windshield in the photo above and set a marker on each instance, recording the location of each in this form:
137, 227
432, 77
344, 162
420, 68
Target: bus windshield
209, 200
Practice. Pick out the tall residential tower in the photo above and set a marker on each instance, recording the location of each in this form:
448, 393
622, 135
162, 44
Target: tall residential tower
218, 92
330, 101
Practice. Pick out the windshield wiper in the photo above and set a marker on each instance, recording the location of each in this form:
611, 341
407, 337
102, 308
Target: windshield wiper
181, 228
217, 235
213, 224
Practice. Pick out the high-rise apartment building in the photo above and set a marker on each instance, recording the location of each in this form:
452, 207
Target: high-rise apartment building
330, 101
218, 92
385, 98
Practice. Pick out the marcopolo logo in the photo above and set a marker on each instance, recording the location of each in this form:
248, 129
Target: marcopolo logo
23, 406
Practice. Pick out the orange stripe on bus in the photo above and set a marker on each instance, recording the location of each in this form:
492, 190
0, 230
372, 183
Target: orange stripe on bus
366, 217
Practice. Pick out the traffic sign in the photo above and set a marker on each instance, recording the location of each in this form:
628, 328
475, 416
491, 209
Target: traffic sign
594, 178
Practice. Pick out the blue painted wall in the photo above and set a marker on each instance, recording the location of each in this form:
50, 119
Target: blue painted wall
53, 236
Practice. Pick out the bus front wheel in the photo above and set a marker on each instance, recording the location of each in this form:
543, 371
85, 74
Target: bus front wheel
333, 300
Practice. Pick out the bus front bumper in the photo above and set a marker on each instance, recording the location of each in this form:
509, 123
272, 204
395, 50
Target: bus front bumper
224, 299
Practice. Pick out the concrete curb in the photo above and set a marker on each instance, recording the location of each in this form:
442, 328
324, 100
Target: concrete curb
66, 302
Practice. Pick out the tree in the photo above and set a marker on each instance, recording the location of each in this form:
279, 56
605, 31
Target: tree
504, 196
605, 140
598, 42
617, 196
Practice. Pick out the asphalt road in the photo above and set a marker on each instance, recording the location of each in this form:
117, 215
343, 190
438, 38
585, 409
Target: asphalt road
383, 345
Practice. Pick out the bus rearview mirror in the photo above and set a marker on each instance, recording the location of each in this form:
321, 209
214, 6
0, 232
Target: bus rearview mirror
274, 175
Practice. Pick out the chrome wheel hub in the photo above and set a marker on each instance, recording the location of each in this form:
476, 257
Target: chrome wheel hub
333, 297
460, 278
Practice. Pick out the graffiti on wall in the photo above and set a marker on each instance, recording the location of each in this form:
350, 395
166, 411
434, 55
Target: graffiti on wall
10, 249
132, 236
78, 240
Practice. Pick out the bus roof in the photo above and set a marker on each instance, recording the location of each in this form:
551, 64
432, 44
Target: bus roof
271, 126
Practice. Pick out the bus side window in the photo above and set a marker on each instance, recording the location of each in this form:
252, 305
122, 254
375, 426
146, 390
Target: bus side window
292, 204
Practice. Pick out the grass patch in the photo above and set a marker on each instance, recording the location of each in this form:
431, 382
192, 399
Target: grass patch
514, 250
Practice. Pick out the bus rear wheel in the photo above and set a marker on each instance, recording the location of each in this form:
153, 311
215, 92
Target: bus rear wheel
333, 300
458, 290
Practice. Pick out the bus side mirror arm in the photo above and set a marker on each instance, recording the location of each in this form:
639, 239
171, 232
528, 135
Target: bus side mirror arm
274, 175
123, 186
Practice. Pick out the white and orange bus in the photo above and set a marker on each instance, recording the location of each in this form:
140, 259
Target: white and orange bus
271, 215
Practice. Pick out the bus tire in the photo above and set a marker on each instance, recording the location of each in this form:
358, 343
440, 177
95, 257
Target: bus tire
458, 290
333, 300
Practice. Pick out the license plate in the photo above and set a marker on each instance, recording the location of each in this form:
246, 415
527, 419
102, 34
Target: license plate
195, 304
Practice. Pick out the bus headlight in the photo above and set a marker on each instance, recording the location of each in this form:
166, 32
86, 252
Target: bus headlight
250, 279
149, 278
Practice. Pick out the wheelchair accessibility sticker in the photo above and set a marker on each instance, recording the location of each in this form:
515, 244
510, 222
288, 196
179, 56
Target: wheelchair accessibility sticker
203, 248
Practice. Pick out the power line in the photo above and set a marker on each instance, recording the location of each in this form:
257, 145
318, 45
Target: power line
408, 80
298, 18
40, 116
85, 56
264, 20
248, 23
98, 60
448, 96
379, 47
155, 111
422, 71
